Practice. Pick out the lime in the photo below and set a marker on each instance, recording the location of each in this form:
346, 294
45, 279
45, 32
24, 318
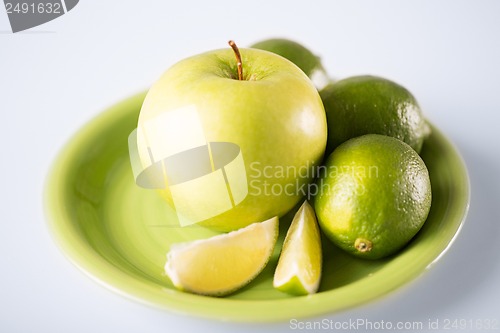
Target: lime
223, 263
372, 105
299, 266
375, 195
299, 55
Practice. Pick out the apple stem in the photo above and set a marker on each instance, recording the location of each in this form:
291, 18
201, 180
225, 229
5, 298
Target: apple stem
238, 59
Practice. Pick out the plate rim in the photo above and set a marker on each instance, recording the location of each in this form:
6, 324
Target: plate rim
98, 269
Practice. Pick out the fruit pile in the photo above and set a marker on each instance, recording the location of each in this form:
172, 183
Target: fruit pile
231, 137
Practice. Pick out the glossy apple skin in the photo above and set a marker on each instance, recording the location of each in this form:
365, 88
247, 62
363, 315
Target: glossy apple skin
275, 115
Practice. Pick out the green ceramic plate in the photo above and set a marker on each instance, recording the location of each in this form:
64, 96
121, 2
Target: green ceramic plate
119, 233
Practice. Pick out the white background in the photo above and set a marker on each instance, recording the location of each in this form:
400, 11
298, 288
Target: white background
56, 77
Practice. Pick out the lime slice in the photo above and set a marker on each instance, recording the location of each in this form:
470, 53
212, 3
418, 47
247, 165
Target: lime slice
299, 266
224, 263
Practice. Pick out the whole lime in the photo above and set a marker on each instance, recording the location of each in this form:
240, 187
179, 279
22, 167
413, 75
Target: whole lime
301, 56
375, 195
372, 105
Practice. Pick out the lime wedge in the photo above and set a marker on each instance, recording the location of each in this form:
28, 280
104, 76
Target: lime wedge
299, 266
222, 264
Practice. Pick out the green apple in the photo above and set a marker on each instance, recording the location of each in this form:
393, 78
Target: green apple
225, 148
299, 55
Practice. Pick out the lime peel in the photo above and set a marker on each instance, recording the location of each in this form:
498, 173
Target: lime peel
363, 245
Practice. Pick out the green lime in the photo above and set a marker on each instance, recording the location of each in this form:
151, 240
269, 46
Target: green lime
299, 266
299, 55
372, 105
375, 195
